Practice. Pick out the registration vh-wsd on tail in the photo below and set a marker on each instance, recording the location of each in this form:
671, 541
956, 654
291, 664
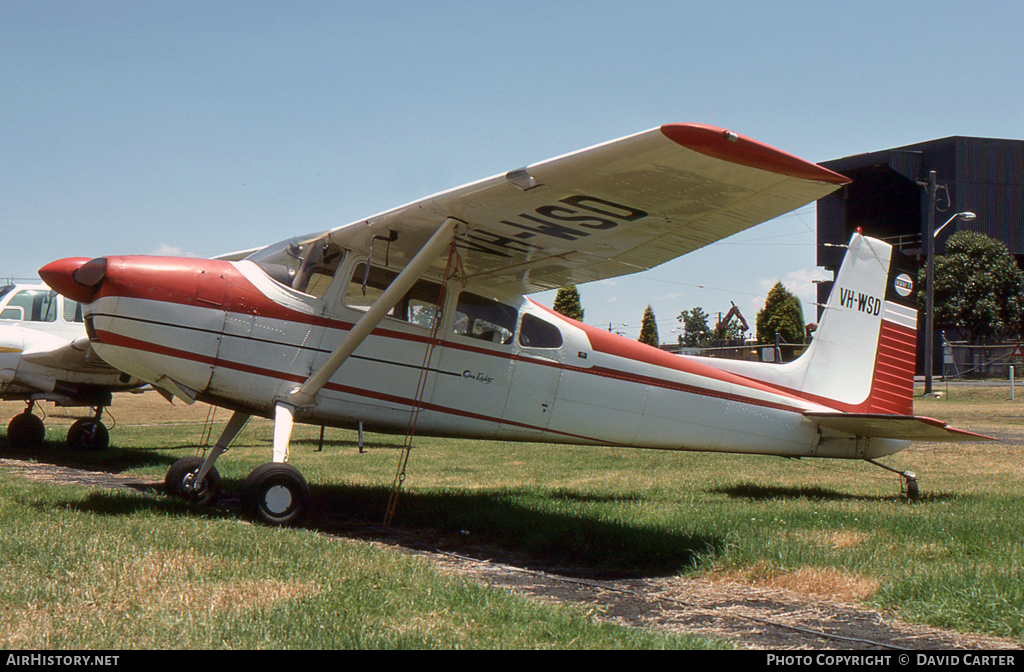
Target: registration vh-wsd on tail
417, 318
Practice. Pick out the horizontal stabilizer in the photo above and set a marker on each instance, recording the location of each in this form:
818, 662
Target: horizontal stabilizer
906, 427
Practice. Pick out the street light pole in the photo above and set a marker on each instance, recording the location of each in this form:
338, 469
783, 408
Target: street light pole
929, 334
929, 290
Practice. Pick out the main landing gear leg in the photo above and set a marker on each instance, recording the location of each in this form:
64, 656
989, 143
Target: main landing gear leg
276, 492
195, 478
909, 480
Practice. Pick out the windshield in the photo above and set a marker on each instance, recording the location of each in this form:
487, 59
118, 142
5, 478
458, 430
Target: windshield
305, 263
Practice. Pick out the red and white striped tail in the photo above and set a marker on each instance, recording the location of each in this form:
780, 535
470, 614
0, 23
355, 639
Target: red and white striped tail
892, 382
863, 355
861, 362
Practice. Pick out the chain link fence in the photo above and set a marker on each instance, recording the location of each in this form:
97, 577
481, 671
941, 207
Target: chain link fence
961, 360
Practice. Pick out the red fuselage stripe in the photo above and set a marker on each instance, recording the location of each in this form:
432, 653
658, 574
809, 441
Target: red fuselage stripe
117, 340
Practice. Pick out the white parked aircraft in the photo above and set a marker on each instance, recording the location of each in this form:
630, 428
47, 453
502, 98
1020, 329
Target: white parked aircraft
417, 318
45, 355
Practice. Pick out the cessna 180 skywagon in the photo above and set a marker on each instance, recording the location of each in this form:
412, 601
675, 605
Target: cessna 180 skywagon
45, 355
416, 318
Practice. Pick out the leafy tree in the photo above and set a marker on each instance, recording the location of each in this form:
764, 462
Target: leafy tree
978, 288
567, 302
696, 333
782, 315
649, 329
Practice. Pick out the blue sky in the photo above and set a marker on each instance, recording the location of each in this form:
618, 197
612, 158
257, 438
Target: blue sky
205, 127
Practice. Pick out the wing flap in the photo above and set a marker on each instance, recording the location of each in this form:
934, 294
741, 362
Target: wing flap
906, 427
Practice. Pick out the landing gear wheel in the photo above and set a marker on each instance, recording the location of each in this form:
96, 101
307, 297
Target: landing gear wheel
913, 491
276, 493
180, 481
26, 431
88, 434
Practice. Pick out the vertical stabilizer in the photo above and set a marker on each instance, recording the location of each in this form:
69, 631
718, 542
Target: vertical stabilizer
863, 354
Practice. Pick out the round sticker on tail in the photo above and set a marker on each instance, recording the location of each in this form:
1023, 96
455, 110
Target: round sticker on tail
903, 284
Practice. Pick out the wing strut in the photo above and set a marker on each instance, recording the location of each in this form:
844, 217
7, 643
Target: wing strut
305, 395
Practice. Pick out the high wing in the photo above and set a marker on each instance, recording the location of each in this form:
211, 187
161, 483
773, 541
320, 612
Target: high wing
616, 208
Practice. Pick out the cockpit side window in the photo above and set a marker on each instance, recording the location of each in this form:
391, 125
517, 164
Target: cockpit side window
34, 305
418, 306
306, 263
485, 319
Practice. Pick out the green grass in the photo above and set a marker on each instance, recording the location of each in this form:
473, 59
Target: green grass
951, 559
86, 569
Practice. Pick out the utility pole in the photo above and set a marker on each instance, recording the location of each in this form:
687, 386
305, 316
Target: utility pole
929, 289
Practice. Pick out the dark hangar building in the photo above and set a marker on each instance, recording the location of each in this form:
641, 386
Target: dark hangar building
888, 198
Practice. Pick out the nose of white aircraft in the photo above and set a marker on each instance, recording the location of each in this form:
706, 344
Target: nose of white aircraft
77, 278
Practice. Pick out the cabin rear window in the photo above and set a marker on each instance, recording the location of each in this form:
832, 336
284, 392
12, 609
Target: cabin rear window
536, 333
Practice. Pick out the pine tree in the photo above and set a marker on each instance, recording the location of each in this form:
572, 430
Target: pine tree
567, 302
649, 329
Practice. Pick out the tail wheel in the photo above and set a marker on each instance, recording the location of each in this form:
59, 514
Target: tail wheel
26, 431
180, 481
276, 493
88, 434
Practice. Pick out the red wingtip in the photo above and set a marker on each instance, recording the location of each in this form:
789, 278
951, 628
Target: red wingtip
722, 144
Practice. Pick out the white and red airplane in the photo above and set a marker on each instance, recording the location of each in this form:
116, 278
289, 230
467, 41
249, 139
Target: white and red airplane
45, 355
417, 318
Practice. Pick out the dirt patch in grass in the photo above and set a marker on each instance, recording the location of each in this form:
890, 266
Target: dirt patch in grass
146, 589
821, 582
832, 538
750, 615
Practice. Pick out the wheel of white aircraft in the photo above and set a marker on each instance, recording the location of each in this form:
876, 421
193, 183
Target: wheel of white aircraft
88, 434
180, 481
25, 431
276, 493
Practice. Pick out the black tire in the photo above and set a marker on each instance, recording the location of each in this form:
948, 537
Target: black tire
276, 494
26, 431
913, 491
179, 481
89, 435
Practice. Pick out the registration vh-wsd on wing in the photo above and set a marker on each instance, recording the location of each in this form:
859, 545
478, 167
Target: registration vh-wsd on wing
417, 319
